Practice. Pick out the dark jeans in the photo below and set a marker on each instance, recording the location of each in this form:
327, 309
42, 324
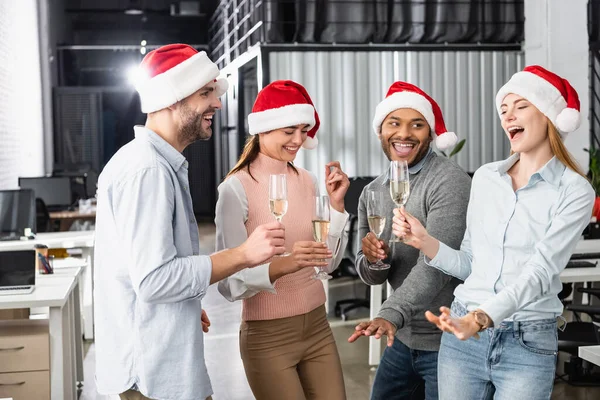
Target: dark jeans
404, 373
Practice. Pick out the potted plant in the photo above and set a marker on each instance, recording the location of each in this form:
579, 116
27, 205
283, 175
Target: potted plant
455, 150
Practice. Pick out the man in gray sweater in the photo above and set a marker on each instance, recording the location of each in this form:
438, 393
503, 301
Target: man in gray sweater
406, 122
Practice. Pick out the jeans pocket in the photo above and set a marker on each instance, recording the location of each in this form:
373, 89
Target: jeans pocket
544, 342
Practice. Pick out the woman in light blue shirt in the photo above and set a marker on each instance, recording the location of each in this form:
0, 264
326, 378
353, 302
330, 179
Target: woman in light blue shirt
525, 217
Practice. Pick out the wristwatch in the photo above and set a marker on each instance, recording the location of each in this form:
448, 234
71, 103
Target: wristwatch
482, 319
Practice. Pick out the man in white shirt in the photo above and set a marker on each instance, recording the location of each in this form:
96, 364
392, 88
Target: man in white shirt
149, 277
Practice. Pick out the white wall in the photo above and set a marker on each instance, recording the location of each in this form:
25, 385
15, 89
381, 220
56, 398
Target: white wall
21, 126
556, 37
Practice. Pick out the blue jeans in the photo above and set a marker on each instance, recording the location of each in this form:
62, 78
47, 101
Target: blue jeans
515, 360
404, 373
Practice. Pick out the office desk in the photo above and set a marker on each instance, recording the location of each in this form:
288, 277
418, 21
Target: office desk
60, 293
590, 353
569, 275
68, 240
68, 217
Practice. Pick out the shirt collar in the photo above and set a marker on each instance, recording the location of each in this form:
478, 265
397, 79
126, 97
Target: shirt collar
415, 169
173, 157
551, 172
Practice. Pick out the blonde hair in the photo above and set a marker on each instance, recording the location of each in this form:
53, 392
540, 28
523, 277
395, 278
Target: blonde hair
560, 150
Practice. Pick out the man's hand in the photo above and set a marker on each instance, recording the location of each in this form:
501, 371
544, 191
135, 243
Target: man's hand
205, 321
463, 328
266, 241
377, 326
374, 249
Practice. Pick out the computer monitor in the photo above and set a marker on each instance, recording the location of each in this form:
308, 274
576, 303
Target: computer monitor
54, 191
17, 271
17, 212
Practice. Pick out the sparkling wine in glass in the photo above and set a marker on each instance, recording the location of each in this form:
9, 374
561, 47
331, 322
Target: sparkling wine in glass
278, 203
376, 217
320, 224
399, 185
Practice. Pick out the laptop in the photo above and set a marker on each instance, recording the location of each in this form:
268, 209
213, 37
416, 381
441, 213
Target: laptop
17, 272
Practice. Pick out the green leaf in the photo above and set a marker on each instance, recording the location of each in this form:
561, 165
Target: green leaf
457, 148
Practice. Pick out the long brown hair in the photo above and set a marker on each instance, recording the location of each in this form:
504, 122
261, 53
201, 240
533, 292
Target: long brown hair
560, 150
249, 154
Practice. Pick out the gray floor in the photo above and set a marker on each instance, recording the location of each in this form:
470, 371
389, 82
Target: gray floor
225, 366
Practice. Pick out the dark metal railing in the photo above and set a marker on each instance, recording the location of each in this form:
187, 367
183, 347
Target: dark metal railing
237, 25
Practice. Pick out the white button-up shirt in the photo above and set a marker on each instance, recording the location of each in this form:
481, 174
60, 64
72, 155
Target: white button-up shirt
518, 242
149, 277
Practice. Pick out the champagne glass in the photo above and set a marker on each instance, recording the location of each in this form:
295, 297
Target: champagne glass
278, 203
320, 225
399, 186
376, 217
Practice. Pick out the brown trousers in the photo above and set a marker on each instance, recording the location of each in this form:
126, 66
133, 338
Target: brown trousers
292, 358
135, 395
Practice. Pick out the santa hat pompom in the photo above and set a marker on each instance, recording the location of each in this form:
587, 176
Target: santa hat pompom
446, 140
568, 120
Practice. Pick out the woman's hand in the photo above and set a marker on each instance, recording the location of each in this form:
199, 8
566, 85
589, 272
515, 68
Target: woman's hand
413, 233
337, 183
304, 255
463, 328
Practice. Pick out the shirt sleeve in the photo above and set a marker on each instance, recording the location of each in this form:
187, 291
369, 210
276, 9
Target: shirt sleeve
338, 236
550, 257
453, 262
231, 215
145, 226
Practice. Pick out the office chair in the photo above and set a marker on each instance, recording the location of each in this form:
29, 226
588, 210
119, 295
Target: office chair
579, 333
42, 217
347, 265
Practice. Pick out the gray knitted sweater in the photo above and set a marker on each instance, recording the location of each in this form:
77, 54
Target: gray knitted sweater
439, 195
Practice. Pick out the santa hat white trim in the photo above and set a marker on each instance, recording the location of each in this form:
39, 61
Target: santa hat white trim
419, 103
403, 100
282, 117
189, 76
544, 96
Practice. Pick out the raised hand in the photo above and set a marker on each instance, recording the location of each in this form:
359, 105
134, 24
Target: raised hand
337, 184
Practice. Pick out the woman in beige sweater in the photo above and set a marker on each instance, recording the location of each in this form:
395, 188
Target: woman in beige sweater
286, 343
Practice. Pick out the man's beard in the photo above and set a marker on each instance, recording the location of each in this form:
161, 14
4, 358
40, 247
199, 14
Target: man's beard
191, 128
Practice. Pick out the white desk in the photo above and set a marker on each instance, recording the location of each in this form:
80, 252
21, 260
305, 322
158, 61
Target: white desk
60, 293
590, 353
569, 275
68, 240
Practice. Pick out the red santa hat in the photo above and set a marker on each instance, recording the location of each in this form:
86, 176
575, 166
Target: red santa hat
406, 95
281, 104
173, 72
552, 95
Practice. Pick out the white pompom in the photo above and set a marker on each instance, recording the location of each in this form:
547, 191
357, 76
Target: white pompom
446, 140
568, 120
310, 143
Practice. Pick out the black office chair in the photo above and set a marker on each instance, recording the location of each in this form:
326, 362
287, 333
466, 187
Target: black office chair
579, 333
347, 265
42, 217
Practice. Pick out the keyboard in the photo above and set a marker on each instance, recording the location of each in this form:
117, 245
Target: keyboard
9, 238
16, 290
585, 256
581, 264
